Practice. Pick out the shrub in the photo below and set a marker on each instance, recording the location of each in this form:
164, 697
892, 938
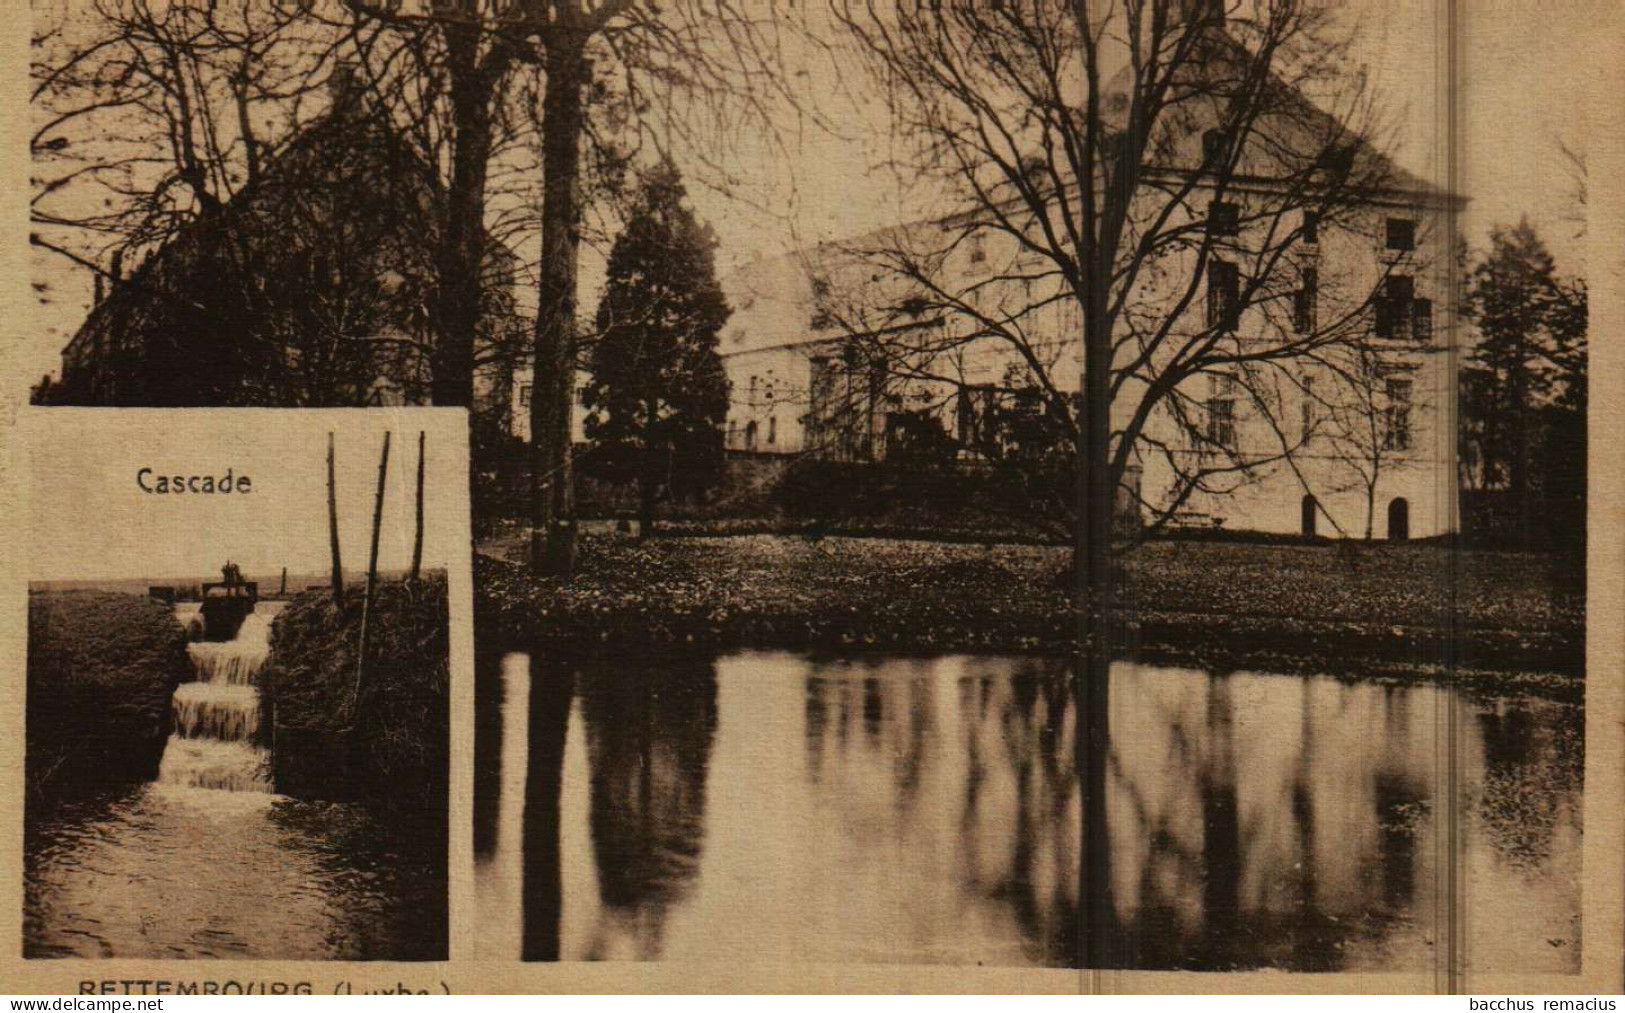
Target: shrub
101, 670
395, 739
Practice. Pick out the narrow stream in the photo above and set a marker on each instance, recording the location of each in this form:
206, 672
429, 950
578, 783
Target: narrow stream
208, 861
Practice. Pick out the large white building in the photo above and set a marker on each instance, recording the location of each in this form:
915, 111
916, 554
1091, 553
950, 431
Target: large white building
1349, 438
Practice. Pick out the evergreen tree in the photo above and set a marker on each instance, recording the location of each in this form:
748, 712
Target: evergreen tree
657, 396
1525, 376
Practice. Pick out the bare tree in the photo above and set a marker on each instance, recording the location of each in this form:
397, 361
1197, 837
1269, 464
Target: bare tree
1369, 423
1135, 190
281, 223
333, 530
157, 120
369, 597
417, 523
150, 116
447, 72
1165, 214
619, 74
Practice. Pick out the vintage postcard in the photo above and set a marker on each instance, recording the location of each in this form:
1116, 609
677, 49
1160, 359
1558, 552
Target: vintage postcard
1039, 496
237, 721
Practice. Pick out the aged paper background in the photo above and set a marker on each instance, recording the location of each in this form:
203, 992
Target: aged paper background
1585, 85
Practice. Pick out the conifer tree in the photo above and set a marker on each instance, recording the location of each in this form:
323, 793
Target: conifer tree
657, 394
1526, 371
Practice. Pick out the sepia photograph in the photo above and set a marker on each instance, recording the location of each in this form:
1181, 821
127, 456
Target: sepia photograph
235, 746
1024, 485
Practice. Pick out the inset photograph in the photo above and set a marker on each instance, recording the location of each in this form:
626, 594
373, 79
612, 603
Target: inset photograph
238, 683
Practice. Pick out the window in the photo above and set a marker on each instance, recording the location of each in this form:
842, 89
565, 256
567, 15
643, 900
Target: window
1311, 227
1221, 411
1205, 10
1223, 295
586, 397
524, 395
978, 248
1223, 218
1422, 319
1338, 160
1396, 434
1221, 421
750, 398
772, 429
822, 318
1394, 305
1305, 302
975, 413
1212, 146
1401, 234
1309, 410
750, 435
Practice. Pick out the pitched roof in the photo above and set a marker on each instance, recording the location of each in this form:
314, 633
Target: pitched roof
774, 298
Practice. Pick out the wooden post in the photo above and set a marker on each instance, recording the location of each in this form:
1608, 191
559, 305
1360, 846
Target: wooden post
372, 580
333, 530
417, 534
283, 589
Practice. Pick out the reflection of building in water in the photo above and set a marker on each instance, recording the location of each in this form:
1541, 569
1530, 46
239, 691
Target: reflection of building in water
1266, 821
770, 806
901, 810
966, 772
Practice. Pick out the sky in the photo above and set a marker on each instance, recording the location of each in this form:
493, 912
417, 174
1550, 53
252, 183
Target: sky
88, 520
1516, 100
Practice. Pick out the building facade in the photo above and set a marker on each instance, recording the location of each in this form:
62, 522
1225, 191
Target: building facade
1345, 426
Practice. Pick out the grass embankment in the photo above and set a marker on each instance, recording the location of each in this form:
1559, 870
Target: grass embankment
392, 745
102, 667
1381, 609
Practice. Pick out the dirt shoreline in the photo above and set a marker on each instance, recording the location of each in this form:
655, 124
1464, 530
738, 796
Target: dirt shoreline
1195, 605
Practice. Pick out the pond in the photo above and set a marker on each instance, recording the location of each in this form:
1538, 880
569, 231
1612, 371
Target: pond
783, 807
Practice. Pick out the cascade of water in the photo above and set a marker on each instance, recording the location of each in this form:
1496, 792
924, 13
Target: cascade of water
211, 710
217, 717
237, 661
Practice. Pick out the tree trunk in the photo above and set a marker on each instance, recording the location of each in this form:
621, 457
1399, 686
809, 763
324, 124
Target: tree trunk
372, 584
551, 402
1370, 510
333, 530
1520, 422
461, 252
648, 476
1097, 499
417, 528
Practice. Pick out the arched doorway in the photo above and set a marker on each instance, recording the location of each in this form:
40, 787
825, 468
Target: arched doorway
750, 435
1311, 508
1399, 520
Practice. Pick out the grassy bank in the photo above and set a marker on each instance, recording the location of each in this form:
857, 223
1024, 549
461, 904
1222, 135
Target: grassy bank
101, 669
392, 745
1383, 608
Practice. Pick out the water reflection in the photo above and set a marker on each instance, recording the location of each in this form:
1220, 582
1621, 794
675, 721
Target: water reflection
168, 871
772, 806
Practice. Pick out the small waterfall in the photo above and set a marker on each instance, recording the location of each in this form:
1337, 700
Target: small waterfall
212, 710
235, 662
217, 717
